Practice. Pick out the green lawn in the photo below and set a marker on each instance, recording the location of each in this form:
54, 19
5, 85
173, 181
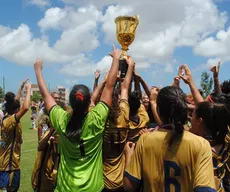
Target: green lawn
28, 153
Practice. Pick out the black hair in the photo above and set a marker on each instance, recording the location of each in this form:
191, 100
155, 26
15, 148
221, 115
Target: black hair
225, 87
201, 92
11, 104
134, 102
216, 118
115, 109
79, 100
173, 111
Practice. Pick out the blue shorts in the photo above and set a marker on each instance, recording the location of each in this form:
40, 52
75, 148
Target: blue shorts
10, 180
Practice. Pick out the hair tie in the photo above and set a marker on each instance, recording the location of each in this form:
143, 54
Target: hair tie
80, 96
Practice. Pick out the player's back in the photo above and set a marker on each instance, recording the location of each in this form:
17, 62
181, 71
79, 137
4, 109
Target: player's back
184, 166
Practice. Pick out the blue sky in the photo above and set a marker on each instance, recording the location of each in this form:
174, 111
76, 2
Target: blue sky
74, 38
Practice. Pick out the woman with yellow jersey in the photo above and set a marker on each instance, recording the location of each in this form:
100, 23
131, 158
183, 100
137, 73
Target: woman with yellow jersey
115, 136
11, 139
170, 159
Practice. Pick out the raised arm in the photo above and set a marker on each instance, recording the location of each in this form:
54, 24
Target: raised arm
97, 74
153, 103
137, 83
97, 90
48, 99
26, 104
143, 83
188, 80
126, 83
112, 77
215, 70
18, 96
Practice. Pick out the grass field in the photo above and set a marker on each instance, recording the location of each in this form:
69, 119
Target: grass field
28, 153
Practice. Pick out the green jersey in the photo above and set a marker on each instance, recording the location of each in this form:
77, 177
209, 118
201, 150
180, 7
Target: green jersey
81, 171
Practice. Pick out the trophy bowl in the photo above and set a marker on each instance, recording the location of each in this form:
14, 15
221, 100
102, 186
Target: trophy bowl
125, 30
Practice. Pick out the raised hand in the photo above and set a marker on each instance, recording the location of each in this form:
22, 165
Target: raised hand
116, 54
38, 64
24, 82
181, 71
215, 70
97, 74
28, 87
154, 93
130, 61
187, 78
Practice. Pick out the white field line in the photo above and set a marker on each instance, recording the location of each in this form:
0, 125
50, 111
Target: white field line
29, 150
29, 140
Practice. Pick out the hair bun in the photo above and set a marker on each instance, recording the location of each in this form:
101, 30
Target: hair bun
9, 97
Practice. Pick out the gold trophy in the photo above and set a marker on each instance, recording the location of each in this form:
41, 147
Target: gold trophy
126, 30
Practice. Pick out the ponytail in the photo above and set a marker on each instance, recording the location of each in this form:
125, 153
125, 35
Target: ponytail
173, 111
179, 117
79, 101
74, 127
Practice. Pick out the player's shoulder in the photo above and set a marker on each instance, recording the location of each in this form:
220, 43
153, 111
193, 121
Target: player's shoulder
196, 140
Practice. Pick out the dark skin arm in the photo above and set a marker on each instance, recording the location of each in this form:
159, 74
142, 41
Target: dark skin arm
215, 70
26, 104
137, 84
143, 83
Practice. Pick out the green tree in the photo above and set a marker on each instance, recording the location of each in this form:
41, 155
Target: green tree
206, 83
36, 97
2, 95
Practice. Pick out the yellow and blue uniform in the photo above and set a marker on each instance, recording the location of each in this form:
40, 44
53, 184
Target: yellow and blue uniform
10, 152
113, 146
184, 167
221, 164
139, 122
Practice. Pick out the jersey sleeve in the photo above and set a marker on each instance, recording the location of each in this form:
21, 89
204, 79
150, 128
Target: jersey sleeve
98, 116
203, 173
123, 119
58, 118
133, 170
10, 123
143, 114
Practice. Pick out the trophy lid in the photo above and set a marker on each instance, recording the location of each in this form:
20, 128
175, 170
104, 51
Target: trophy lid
129, 18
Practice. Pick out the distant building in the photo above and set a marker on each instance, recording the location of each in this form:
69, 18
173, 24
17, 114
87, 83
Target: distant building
34, 88
64, 93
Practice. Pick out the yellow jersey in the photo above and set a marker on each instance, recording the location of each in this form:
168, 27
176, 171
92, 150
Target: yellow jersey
114, 141
10, 144
141, 122
185, 167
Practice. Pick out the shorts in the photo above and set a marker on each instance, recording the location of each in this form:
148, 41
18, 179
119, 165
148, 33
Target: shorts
10, 180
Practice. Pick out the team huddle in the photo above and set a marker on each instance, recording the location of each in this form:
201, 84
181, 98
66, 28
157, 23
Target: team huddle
117, 138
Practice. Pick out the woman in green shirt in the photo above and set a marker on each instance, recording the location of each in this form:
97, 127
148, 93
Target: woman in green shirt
81, 133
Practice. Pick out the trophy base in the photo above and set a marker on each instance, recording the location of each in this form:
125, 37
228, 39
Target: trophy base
123, 67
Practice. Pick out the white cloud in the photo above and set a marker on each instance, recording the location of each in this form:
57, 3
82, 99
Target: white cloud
164, 26
40, 3
19, 46
218, 46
